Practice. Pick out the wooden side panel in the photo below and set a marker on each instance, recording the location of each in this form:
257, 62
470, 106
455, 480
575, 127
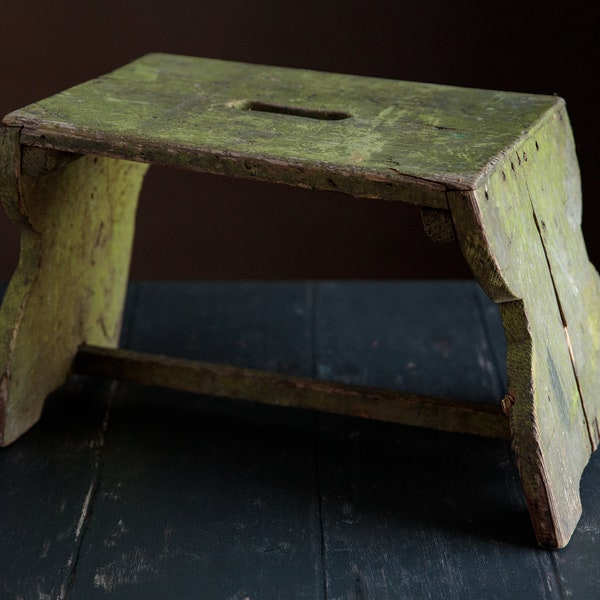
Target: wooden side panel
498, 227
557, 205
77, 225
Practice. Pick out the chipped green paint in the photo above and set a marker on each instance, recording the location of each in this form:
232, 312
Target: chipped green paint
520, 232
69, 286
403, 141
495, 169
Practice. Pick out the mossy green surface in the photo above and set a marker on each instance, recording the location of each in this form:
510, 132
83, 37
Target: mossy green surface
521, 235
77, 225
401, 141
496, 168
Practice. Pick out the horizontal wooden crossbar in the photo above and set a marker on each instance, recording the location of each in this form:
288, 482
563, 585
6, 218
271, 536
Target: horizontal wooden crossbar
281, 390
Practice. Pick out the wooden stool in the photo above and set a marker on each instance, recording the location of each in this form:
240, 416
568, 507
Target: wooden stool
495, 170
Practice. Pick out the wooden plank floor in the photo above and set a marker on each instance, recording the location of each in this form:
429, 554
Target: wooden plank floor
130, 492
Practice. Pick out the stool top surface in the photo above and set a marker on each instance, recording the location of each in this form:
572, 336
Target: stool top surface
365, 136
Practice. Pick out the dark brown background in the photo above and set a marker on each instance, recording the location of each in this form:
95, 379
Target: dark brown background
199, 226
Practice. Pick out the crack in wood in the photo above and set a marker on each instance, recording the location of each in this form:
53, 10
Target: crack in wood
540, 226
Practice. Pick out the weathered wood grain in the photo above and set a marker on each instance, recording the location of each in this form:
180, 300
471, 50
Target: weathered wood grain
404, 141
496, 169
76, 233
555, 194
249, 495
499, 227
270, 388
203, 497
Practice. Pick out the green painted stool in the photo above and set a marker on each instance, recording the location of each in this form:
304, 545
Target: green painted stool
496, 171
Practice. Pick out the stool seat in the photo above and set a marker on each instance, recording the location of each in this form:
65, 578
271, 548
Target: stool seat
369, 137
495, 172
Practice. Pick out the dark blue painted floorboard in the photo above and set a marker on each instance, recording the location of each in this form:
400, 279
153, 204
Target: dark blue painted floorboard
209, 499
412, 513
130, 492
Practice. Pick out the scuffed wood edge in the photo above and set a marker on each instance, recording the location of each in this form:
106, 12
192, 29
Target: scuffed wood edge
356, 182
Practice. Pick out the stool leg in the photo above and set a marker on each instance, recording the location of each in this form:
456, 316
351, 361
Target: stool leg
77, 223
520, 233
